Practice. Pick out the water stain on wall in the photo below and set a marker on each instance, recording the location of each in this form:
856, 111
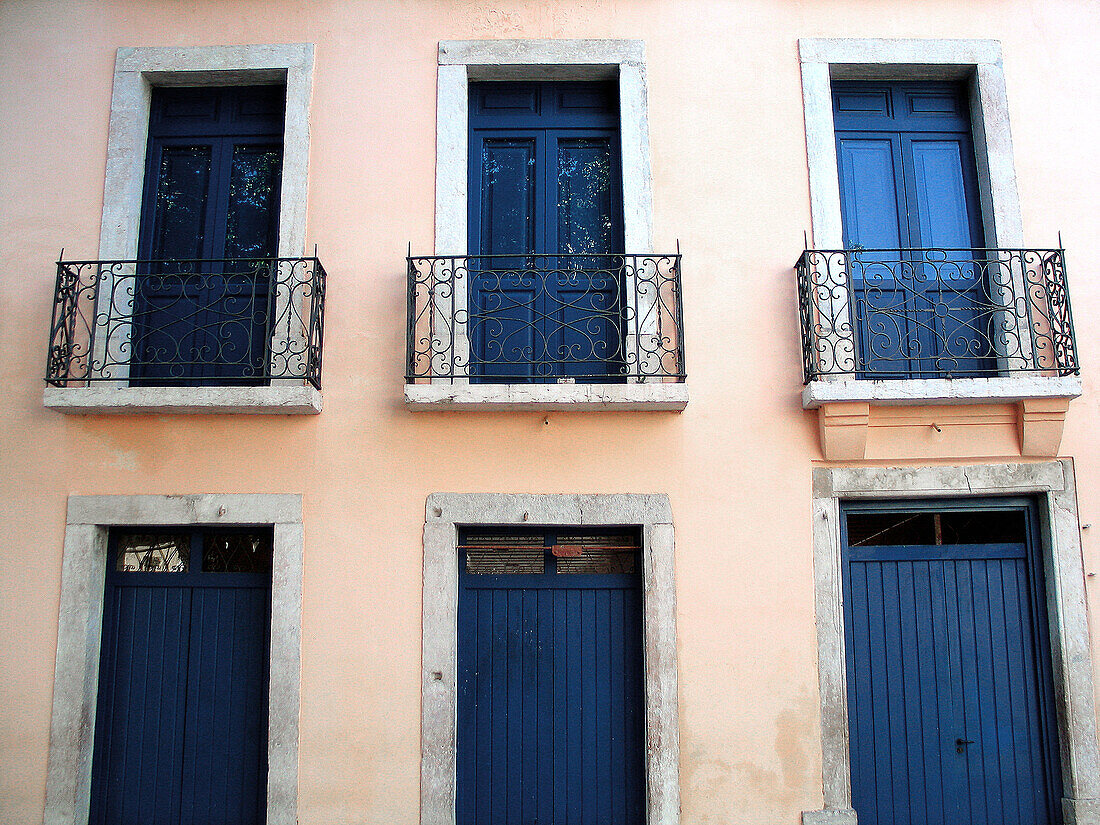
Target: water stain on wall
786, 778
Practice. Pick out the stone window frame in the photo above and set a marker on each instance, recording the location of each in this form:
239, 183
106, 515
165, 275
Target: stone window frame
463, 61
445, 513
137, 71
979, 64
80, 624
1053, 485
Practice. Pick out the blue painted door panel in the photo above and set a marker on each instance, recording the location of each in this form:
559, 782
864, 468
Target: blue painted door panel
181, 722
948, 697
550, 715
545, 181
225, 769
211, 194
140, 728
908, 182
871, 190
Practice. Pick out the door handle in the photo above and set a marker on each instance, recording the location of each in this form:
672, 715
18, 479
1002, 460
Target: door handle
960, 745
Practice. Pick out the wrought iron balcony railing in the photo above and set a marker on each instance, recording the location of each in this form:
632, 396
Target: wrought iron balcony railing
934, 313
544, 319
187, 322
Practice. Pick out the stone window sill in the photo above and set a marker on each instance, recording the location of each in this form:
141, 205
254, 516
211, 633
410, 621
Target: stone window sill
107, 400
580, 397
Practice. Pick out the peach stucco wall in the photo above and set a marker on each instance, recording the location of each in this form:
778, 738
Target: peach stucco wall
729, 182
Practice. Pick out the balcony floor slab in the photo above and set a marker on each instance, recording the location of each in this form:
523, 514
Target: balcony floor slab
292, 399
928, 391
580, 397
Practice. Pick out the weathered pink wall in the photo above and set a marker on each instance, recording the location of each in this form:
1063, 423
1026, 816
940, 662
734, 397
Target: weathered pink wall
730, 182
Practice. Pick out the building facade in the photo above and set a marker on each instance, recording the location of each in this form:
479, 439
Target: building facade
579, 412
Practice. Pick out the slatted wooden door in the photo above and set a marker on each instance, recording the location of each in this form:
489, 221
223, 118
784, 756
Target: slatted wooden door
551, 704
949, 686
181, 722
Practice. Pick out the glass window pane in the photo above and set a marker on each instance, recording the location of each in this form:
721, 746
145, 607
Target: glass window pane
595, 554
508, 196
495, 554
948, 527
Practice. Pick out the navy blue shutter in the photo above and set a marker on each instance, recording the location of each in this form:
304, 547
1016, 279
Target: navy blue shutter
949, 706
551, 702
545, 179
908, 181
212, 182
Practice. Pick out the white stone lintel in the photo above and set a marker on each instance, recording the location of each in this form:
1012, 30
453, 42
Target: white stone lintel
901, 51
106, 400
996, 390
528, 52
580, 397
206, 508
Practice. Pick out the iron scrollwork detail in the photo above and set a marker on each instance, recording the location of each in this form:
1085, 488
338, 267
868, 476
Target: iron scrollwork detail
208, 322
544, 318
934, 313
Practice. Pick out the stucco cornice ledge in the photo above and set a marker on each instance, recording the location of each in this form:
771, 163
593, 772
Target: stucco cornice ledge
845, 407
579, 397
274, 400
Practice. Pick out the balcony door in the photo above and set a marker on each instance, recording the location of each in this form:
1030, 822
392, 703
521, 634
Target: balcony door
209, 225
546, 292
912, 220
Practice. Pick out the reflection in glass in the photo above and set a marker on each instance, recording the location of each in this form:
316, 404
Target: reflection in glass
508, 196
236, 553
252, 221
152, 553
584, 196
180, 217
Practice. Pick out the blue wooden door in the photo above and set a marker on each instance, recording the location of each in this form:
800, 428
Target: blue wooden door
949, 687
546, 292
209, 219
909, 187
181, 721
550, 693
